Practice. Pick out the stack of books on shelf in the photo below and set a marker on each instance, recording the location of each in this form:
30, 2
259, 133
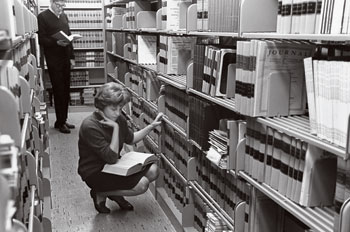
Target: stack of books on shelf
147, 50
299, 171
215, 224
218, 71
9, 163
118, 41
114, 17
173, 14
327, 95
204, 116
148, 116
270, 78
79, 78
175, 189
85, 18
175, 54
90, 39
75, 98
200, 213
218, 151
313, 17
176, 106
91, 3
223, 187
88, 96
17, 19
218, 16
132, 9
175, 149
89, 58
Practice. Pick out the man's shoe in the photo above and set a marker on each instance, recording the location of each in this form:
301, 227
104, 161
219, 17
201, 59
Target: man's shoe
123, 204
64, 129
70, 126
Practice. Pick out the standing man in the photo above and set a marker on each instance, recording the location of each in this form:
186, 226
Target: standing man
59, 58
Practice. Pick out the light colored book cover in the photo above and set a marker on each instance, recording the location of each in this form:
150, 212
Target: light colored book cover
146, 49
281, 57
67, 38
309, 80
130, 163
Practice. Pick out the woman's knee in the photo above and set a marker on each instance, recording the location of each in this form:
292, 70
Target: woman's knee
153, 173
142, 185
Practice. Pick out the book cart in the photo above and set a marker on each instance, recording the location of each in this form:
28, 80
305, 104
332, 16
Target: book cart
25, 157
191, 189
85, 18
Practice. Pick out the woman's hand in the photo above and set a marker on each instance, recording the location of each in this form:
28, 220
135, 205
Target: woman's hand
106, 121
158, 120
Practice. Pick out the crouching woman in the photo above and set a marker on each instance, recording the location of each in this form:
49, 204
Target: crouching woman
101, 139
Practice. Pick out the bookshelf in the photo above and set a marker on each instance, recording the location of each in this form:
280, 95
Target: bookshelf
25, 185
122, 67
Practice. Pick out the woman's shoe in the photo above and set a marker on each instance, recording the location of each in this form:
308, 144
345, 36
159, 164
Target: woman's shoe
123, 204
100, 207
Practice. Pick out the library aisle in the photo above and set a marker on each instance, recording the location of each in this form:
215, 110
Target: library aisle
72, 207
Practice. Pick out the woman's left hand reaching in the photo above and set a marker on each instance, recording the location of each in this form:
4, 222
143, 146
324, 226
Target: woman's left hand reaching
158, 120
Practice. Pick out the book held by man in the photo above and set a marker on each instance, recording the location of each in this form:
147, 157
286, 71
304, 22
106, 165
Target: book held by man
68, 38
130, 163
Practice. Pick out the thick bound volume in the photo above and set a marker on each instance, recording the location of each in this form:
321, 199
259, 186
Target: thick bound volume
63, 36
130, 163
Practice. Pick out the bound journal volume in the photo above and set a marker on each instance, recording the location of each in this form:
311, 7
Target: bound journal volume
130, 163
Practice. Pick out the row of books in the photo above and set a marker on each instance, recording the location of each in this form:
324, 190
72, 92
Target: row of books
218, 16
9, 164
85, 18
114, 16
270, 78
316, 16
79, 78
327, 94
90, 39
297, 170
175, 149
218, 70
204, 116
176, 106
219, 145
175, 54
75, 98
17, 19
215, 224
84, 2
148, 116
223, 187
143, 82
89, 58
86, 97
175, 188
200, 213
132, 9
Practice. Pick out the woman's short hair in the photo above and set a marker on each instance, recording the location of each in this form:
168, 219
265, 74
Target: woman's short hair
113, 94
